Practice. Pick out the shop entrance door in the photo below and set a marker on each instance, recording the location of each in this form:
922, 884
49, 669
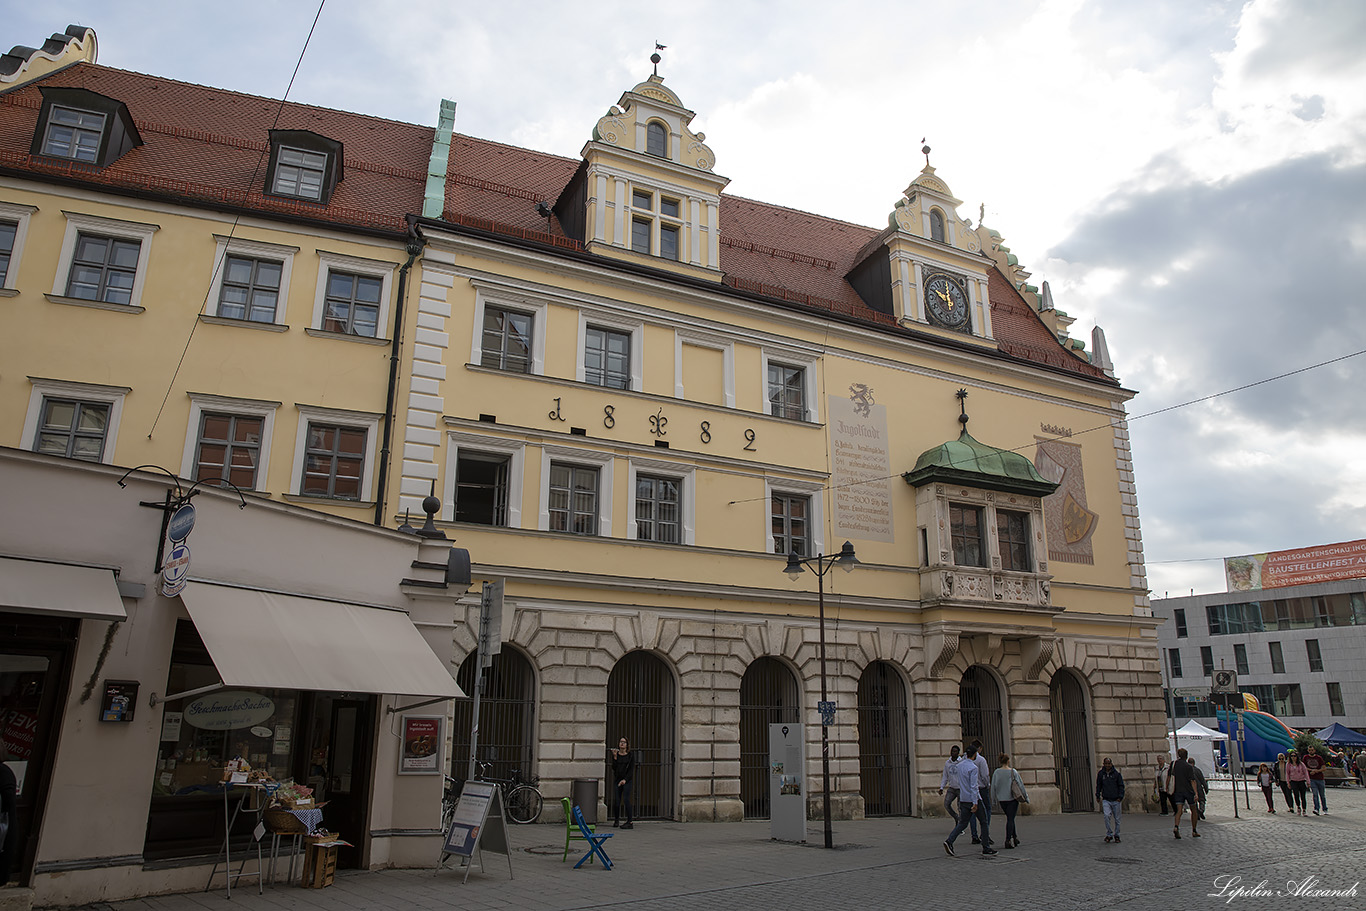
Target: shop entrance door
33, 672
341, 735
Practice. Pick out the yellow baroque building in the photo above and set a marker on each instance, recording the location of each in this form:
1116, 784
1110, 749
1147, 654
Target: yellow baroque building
636, 400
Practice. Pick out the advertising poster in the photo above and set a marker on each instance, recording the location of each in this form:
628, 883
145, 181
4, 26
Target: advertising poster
420, 746
1280, 568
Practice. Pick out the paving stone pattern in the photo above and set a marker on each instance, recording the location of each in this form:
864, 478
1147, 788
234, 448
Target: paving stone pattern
1062, 864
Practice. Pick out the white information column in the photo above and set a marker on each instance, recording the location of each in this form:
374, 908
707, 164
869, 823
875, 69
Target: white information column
787, 781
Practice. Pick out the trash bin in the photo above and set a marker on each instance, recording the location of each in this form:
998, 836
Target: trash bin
584, 795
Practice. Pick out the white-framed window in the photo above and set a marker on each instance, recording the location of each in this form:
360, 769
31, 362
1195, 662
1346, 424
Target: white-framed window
103, 261
299, 172
509, 333
795, 517
334, 453
13, 230
352, 296
483, 480
789, 385
73, 133
228, 438
703, 340
656, 223
73, 420
576, 491
610, 352
251, 280
663, 496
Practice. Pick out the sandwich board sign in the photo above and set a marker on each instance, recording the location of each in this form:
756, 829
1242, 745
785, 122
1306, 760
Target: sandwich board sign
477, 825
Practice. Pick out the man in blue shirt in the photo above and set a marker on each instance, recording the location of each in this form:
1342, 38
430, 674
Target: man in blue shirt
969, 789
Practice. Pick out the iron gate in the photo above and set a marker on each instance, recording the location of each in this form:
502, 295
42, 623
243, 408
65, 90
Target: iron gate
1071, 744
884, 744
507, 716
641, 708
768, 695
979, 703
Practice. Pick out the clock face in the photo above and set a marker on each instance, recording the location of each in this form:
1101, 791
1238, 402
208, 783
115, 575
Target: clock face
945, 301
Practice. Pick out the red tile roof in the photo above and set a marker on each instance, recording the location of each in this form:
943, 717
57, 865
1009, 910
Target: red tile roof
210, 145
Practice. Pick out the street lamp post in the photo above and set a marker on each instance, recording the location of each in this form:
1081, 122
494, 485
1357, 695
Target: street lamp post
820, 565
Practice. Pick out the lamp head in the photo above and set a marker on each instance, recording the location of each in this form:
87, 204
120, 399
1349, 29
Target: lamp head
846, 560
794, 566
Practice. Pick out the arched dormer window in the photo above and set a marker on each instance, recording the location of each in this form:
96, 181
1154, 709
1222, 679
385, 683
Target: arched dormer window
656, 139
937, 225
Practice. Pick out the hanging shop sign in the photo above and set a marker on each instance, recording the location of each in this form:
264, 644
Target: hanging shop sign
175, 572
181, 523
229, 710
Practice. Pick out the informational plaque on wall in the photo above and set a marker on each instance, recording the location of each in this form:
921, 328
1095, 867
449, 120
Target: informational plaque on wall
860, 466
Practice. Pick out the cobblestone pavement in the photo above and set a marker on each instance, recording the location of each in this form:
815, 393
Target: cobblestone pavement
1062, 863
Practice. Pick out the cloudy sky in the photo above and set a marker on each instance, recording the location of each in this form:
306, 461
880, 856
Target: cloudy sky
1190, 175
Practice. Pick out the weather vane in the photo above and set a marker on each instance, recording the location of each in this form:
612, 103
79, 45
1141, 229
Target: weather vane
925, 150
962, 396
655, 58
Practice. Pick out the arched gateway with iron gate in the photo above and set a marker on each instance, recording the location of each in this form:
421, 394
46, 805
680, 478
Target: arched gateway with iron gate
1071, 743
768, 695
884, 742
642, 707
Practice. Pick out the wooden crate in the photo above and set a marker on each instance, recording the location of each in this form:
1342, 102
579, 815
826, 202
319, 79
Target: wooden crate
320, 863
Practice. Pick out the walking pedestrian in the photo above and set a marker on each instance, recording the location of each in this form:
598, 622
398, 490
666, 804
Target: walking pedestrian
1160, 784
1298, 774
1201, 788
1361, 767
1266, 780
948, 782
967, 787
623, 770
1278, 769
1316, 764
1182, 787
1110, 793
984, 790
1009, 791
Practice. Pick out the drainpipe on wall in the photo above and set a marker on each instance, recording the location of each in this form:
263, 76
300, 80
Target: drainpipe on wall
415, 244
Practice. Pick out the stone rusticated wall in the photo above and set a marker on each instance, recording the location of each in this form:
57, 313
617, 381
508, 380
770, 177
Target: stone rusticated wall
573, 653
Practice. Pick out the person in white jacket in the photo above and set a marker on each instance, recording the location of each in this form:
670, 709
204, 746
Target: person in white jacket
948, 782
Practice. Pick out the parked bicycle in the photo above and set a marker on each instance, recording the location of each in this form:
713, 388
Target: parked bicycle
521, 798
449, 797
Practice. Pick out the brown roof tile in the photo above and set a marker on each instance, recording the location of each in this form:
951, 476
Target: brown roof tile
209, 145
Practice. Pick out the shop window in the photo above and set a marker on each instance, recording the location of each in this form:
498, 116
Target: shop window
1180, 615
965, 524
1174, 662
1311, 646
1277, 658
186, 813
1206, 660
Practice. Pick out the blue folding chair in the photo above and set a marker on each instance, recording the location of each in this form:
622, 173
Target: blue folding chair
594, 841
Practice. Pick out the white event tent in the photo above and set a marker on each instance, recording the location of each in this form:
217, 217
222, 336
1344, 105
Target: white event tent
1199, 742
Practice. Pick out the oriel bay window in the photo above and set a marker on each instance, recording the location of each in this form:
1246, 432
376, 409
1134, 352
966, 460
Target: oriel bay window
965, 529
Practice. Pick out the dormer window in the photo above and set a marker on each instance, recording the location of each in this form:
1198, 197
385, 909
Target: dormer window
300, 173
73, 134
303, 165
937, 226
656, 139
84, 126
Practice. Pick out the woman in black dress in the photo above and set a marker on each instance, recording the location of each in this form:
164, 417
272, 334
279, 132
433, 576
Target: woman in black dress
623, 770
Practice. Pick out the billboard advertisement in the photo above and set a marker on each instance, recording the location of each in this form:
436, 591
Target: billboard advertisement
1325, 563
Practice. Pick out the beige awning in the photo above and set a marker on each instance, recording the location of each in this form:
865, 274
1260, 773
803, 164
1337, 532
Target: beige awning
264, 639
59, 590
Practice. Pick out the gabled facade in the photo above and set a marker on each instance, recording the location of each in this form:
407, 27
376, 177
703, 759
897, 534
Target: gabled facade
633, 397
